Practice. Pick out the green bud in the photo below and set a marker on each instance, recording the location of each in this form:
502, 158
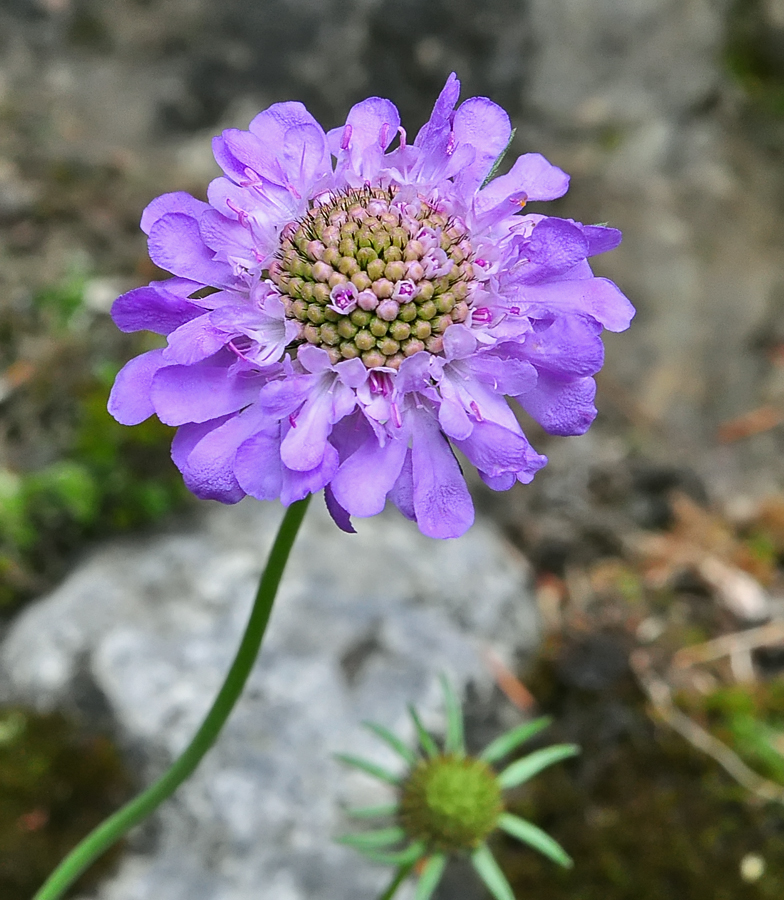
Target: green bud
365, 255
375, 269
378, 327
361, 280
408, 312
445, 302
388, 346
399, 330
364, 340
421, 329
346, 328
329, 334
427, 310
452, 803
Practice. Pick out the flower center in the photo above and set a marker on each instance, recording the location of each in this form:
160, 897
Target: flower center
450, 802
372, 276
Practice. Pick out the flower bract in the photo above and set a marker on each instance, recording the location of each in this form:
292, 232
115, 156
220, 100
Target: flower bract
349, 307
449, 803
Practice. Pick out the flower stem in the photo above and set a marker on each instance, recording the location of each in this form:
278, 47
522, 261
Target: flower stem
400, 876
102, 837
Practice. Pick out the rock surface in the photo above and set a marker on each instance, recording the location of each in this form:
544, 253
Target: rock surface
362, 625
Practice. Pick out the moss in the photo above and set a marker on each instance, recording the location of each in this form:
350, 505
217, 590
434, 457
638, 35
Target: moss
753, 55
56, 784
73, 473
643, 814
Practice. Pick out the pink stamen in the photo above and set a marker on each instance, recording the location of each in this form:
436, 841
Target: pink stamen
234, 349
450, 144
402, 132
383, 135
482, 316
379, 383
292, 421
345, 139
396, 415
252, 179
475, 411
514, 310
242, 216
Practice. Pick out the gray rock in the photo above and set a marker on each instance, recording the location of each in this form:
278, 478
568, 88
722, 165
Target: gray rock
362, 625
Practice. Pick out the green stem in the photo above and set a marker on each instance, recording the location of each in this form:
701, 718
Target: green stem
102, 837
400, 876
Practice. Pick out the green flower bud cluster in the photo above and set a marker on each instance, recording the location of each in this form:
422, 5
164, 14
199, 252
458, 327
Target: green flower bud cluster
450, 802
369, 276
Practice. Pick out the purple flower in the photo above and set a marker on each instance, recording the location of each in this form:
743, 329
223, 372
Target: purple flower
350, 307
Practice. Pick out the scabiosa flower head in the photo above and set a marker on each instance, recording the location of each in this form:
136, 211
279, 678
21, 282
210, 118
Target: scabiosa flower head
349, 307
448, 803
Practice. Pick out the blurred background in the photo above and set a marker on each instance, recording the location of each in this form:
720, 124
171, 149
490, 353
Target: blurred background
661, 529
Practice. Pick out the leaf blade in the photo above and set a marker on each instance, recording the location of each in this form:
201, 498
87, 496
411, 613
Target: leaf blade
374, 840
409, 856
431, 875
524, 769
498, 160
455, 731
392, 740
372, 812
369, 768
494, 879
536, 838
425, 739
511, 740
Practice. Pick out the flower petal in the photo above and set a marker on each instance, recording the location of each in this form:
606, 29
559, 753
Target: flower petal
496, 450
442, 503
175, 202
402, 493
152, 309
363, 481
297, 485
570, 345
486, 127
257, 465
129, 400
597, 297
201, 392
176, 245
194, 341
209, 468
561, 406
532, 174
339, 515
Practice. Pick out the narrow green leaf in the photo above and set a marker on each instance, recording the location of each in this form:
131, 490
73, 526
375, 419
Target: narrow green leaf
499, 160
372, 812
511, 740
535, 837
425, 739
399, 877
494, 879
374, 840
369, 768
455, 741
393, 741
531, 765
431, 875
400, 858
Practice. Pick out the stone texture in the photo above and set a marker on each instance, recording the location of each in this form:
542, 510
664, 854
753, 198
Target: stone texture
363, 624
